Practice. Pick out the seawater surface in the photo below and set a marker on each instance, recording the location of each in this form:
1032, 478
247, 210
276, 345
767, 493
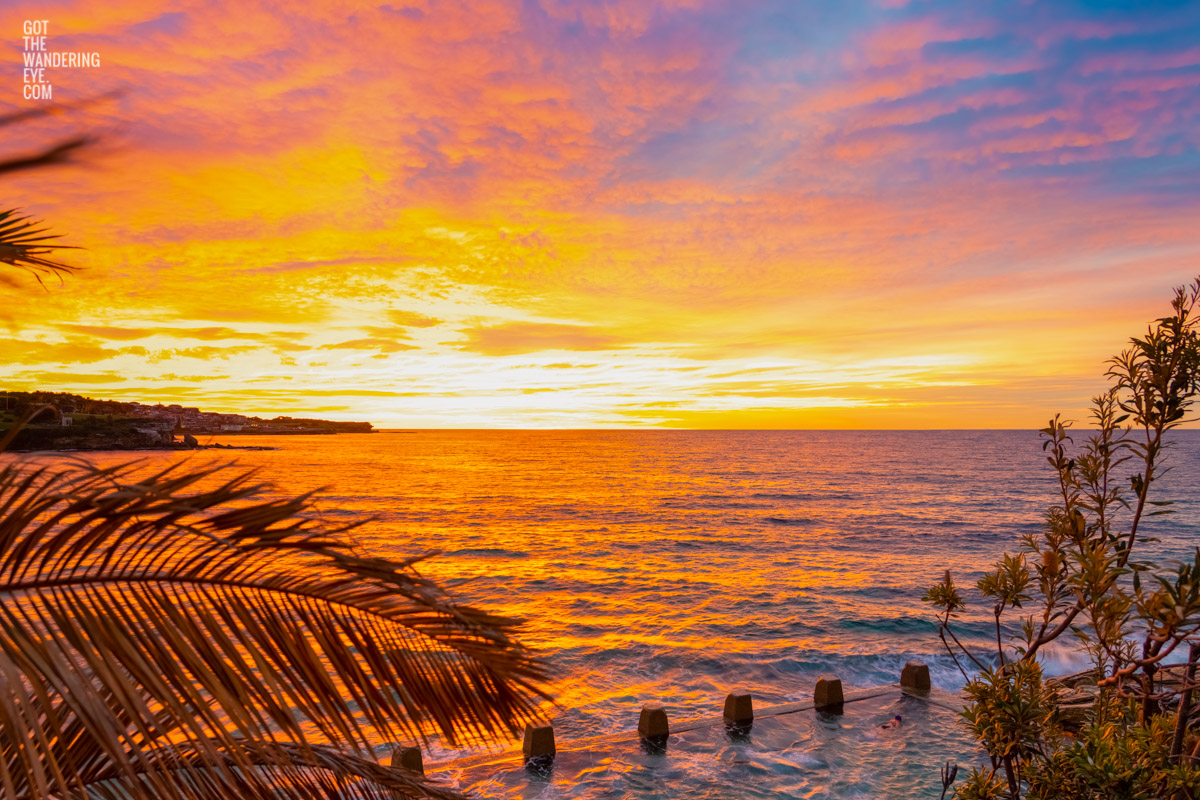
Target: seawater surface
676, 565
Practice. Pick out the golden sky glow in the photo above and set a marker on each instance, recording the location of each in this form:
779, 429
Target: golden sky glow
565, 214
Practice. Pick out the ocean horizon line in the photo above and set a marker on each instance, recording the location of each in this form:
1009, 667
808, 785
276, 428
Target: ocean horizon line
659, 428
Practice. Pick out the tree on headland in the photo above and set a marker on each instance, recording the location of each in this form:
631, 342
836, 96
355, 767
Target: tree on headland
173, 634
1086, 574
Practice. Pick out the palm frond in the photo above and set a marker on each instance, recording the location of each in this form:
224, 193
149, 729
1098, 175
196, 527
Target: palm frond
7, 436
56, 109
25, 245
146, 611
60, 153
280, 769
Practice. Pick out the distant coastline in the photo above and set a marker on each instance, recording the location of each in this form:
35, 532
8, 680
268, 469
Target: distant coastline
73, 422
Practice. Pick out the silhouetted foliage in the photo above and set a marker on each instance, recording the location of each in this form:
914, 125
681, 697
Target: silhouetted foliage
26, 246
165, 631
1079, 576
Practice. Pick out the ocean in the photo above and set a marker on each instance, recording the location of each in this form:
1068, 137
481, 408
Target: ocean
674, 566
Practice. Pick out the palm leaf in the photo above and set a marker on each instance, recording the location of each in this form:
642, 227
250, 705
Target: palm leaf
22, 243
62, 151
176, 614
316, 771
59, 153
26, 246
7, 436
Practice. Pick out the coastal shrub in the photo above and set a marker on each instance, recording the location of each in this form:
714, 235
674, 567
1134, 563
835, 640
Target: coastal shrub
1090, 574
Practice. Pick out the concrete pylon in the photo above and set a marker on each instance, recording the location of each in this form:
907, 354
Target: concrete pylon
915, 676
539, 742
653, 723
739, 708
828, 695
408, 758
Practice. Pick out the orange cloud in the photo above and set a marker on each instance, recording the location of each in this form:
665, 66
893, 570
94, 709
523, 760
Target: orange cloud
532, 337
382, 345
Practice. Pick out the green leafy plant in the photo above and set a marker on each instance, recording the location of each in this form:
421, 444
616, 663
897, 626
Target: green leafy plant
1085, 575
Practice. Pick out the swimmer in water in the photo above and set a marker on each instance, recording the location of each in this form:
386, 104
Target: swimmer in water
892, 723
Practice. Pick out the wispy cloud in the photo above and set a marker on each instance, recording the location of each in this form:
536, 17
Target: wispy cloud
532, 337
374, 343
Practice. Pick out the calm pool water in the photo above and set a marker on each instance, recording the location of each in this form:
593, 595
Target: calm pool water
805, 754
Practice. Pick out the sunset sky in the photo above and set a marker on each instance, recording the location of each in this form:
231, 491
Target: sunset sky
706, 213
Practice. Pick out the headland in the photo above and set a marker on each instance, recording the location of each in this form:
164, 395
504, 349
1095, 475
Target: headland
73, 422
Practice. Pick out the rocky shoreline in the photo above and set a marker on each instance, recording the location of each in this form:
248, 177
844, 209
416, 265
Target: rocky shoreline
1076, 696
78, 440
140, 448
